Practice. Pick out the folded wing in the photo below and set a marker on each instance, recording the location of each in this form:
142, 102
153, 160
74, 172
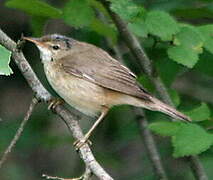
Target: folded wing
95, 65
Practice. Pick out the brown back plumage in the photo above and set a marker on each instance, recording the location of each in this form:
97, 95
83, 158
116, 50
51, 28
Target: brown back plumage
97, 66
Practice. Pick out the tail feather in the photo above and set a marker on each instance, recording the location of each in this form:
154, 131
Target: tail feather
157, 105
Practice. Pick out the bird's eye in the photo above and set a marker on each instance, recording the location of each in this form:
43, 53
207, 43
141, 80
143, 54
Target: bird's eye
55, 47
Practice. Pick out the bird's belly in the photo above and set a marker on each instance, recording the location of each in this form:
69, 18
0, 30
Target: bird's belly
79, 93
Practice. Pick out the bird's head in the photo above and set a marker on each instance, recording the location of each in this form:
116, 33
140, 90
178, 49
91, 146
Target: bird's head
52, 47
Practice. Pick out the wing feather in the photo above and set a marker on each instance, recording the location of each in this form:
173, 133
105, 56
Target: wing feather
95, 65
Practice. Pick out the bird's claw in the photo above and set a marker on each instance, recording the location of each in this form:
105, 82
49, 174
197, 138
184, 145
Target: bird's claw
79, 143
55, 102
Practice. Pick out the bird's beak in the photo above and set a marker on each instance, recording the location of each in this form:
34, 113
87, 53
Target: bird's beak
36, 41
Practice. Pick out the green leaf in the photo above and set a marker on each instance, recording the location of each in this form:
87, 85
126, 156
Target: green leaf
165, 128
145, 82
35, 8
161, 24
138, 28
200, 113
127, 9
175, 97
189, 37
191, 139
99, 6
78, 13
207, 32
4, 61
189, 42
183, 55
172, 69
205, 64
104, 29
37, 24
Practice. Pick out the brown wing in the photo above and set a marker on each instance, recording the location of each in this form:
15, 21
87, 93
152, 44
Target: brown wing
95, 65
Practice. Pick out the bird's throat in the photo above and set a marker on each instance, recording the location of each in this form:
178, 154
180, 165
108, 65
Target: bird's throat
45, 54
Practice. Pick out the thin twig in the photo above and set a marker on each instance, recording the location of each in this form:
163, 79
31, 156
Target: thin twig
19, 131
86, 176
197, 168
146, 64
58, 178
150, 144
44, 95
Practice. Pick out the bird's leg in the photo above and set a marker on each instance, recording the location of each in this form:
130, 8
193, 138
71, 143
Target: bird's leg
54, 102
85, 139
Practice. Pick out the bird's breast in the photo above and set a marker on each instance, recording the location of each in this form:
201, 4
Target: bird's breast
84, 95
77, 92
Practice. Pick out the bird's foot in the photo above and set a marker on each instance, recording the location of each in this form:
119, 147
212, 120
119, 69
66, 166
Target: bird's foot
59, 178
55, 102
79, 143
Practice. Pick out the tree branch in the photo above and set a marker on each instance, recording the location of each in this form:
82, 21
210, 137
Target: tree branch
148, 68
44, 95
197, 168
19, 131
150, 144
86, 176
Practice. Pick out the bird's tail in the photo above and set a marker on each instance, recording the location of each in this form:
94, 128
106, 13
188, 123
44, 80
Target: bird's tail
158, 105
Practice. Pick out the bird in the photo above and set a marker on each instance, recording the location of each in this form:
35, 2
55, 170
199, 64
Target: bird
90, 80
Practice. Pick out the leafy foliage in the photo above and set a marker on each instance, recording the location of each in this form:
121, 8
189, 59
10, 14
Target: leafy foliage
104, 29
4, 61
86, 17
189, 37
187, 139
165, 128
132, 13
138, 28
182, 55
175, 97
172, 68
161, 24
205, 64
35, 8
127, 9
191, 139
207, 32
40, 12
99, 7
37, 24
82, 9
200, 113
188, 44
